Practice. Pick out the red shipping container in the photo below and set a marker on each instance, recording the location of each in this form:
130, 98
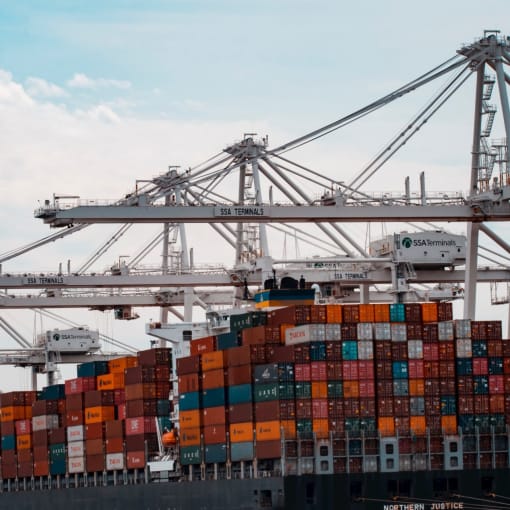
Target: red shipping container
481, 404
351, 407
465, 385
240, 413
367, 407
497, 403
333, 351
366, 388
320, 408
335, 408
401, 406
496, 385
140, 425
41, 468
384, 388
253, 336
114, 428
466, 404
431, 369
94, 430
447, 350
189, 383
431, 351
334, 370
214, 416
480, 366
114, 445
384, 370
366, 369
74, 418
135, 460
447, 386
95, 463
213, 379
23, 427
200, 345
303, 409
302, 372
415, 368
236, 356
214, 434
74, 402
239, 375
385, 406
318, 371
495, 347
80, 385
350, 370
187, 365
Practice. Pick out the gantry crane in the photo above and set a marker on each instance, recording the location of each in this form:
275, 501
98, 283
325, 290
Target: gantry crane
271, 191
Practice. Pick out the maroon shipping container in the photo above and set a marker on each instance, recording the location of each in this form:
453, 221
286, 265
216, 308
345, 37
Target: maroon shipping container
433, 405
412, 313
236, 356
447, 350
495, 347
189, 383
366, 388
367, 407
140, 425
74, 418
287, 409
95, 463
481, 403
239, 413
382, 350
119, 396
414, 331
318, 371
258, 353
137, 442
186, 365
351, 407
253, 336
303, 409
320, 408
136, 408
95, 430
334, 370
74, 402
350, 370
465, 385
430, 331
157, 356
268, 449
239, 375
447, 368
214, 416
23, 427
431, 369
80, 385
281, 354
42, 407
447, 386
465, 404
99, 398
401, 406
385, 406
383, 370
147, 374
213, 378
432, 386
496, 404
349, 331
384, 388
350, 313
302, 353
431, 352
267, 411
333, 351
286, 315
94, 447
114, 428
303, 314
114, 445
335, 408
317, 314
26, 455
13, 398
8, 428
56, 436
40, 439
402, 424
399, 351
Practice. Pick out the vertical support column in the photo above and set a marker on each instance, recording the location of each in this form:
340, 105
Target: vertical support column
163, 313
264, 247
364, 293
503, 95
240, 226
185, 262
188, 304
471, 270
477, 129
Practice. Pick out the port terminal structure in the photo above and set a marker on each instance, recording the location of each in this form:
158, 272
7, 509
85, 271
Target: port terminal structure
249, 189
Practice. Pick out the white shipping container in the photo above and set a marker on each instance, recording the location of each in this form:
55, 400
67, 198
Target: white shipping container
445, 330
398, 332
404, 462
333, 331
464, 348
114, 461
365, 331
45, 422
76, 464
463, 328
76, 449
365, 350
415, 349
370, 464
75, 433
305, 333
382, 331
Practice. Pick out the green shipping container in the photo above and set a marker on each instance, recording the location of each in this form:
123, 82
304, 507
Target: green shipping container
265, 392
190, 455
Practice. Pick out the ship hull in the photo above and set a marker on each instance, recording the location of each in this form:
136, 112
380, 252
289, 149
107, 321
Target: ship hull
427, 490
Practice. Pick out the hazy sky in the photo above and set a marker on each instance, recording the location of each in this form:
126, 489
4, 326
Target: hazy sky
94, 95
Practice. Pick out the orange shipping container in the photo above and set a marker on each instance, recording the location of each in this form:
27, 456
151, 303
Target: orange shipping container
267, 430
212, 360
429, 312
382, 312
289, 429
241, 432
24, 442
189, 436
190, 419
418, 425
366, 313
334, 314
351, 389
118, 365
114, 381
386, 426
319, 389
12, 413
99, 414
320, 427
449, 424
416, 387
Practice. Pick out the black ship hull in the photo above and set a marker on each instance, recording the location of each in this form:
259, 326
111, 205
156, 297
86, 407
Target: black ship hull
427, 490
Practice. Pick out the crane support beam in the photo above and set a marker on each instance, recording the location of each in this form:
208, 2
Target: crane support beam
479, 211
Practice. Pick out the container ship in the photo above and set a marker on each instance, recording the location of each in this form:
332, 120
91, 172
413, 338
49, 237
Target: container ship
295, 405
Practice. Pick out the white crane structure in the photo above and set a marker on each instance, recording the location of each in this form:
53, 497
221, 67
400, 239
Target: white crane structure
248, 191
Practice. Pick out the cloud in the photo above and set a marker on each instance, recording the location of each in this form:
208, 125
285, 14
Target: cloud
101, 113
12, 93
37, 87
82, 81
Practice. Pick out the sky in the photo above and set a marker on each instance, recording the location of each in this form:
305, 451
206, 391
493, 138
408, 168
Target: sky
96, 95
